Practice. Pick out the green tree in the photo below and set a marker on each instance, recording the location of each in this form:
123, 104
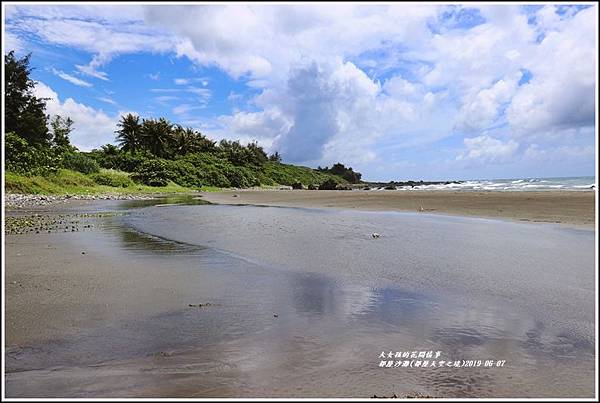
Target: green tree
256, 154
109, 150
157, 136
24, 158
183, 140
61, 128
276, 157
129, 135
24, 113
202, 144
188, 141
346, 173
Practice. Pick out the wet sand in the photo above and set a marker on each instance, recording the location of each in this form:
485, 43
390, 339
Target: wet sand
301, 304
562, 207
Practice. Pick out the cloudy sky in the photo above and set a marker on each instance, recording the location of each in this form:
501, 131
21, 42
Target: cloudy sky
396, 91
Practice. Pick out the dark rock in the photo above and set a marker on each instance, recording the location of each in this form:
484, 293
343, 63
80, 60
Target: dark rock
329, 184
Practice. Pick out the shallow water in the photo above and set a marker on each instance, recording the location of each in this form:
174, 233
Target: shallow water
471, 289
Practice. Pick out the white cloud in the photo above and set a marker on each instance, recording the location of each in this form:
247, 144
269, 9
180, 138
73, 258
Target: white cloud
481, 109
536, 153
92, 128
104, 31
487, 150
561, 93
71, 79
91, 69
234, 96
107, 100
203, 94
265, 41
185, 109
12, 42
264, 126
187, 81
163, 99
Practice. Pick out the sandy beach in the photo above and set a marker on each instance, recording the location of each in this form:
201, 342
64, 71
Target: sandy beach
561, 207
187, 300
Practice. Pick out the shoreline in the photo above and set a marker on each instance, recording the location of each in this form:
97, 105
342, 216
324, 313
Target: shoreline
19, 201
575, 209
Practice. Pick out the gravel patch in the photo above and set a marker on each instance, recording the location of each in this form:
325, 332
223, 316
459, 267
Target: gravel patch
17, 201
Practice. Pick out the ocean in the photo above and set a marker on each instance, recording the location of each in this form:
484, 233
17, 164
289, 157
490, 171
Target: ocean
579, 183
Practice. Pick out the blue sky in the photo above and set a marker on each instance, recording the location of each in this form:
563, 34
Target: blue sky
396, 91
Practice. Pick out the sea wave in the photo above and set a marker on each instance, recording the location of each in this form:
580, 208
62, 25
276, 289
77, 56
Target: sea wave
523, 184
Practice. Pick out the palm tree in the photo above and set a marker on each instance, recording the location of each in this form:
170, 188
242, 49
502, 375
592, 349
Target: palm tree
183, 140
109, 149
157, 136
202, 143
129, 134
189, 141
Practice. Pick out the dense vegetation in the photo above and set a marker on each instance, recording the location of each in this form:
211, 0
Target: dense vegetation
149, 153
340, 170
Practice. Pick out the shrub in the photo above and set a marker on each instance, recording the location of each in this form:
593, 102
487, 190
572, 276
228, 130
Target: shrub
127, 162
79, 162
185, 174
112, 178
24, 158
264, 179
240, 177
211, 167
153, 173
216, 178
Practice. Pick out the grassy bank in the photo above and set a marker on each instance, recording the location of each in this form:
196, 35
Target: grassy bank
75, 183
66, 181
285, 174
